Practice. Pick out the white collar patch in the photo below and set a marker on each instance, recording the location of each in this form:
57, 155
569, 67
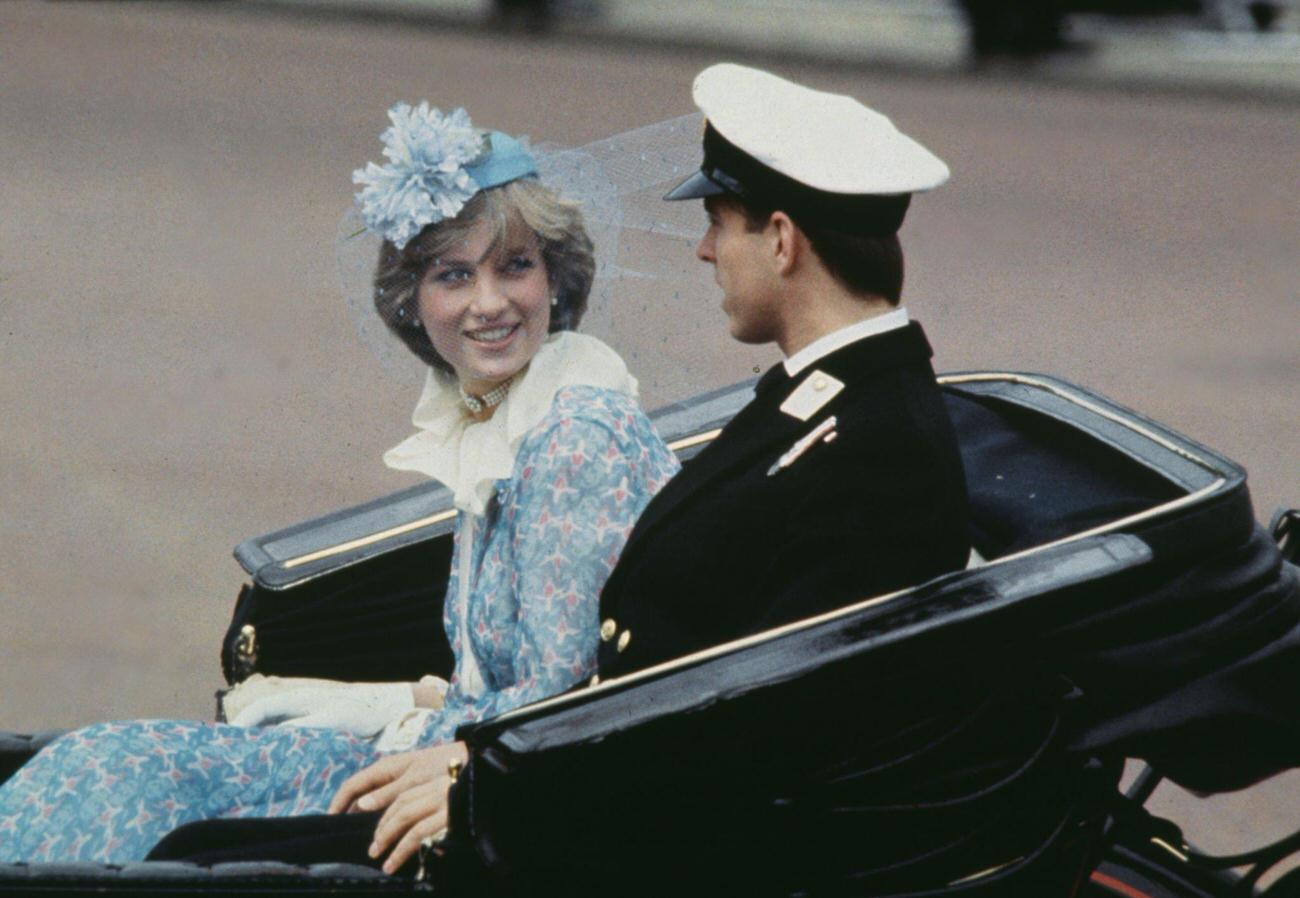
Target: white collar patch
817, 389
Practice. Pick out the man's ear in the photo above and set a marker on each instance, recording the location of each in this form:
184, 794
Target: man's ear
786, 246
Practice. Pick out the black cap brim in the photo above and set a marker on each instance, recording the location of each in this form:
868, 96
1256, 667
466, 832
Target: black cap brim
697, 186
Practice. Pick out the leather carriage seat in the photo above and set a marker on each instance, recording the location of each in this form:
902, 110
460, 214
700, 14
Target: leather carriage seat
1032, 479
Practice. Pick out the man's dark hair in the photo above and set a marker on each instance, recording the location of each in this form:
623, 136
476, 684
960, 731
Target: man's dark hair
871, 266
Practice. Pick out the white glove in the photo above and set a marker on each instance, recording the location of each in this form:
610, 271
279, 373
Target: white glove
362, 709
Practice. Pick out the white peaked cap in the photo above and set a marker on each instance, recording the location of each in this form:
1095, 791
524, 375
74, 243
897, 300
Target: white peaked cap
829, 142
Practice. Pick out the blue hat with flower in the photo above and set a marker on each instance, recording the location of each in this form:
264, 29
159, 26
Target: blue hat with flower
436, 163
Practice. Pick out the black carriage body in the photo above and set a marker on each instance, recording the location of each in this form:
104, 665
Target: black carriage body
1125, 604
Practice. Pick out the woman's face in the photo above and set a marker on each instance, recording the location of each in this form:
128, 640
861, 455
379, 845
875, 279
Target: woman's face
487, 315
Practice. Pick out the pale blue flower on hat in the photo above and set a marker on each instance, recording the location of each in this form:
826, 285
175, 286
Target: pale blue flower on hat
436, 163
424, 180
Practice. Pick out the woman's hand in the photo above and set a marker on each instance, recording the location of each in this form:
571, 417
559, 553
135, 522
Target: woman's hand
413, 787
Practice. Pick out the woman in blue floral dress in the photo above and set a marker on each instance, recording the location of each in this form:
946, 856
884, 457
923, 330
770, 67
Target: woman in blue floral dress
483, 272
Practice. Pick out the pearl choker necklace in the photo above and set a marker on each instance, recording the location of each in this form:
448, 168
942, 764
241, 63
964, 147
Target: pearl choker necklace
491, 399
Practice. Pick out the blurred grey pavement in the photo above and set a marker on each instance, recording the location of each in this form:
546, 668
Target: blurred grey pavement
1168, 52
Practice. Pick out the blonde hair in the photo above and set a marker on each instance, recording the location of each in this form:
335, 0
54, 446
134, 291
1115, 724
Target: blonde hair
512, 209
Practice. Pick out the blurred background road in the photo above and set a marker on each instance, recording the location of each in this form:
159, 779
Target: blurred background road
1225, 46
178, 372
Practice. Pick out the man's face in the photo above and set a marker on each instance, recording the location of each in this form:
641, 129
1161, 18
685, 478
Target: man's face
742, 265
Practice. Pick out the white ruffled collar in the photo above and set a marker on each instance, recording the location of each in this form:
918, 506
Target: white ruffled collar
470, 456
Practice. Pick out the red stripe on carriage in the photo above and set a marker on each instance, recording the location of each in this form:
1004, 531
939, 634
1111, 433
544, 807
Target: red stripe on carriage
1115, 885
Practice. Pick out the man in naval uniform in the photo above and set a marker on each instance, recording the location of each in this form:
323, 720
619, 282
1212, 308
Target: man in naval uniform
841, 479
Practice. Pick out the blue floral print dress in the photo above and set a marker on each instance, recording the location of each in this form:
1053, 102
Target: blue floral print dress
538, 557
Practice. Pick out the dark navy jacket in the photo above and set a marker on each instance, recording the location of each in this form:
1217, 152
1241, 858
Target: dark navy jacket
729, 548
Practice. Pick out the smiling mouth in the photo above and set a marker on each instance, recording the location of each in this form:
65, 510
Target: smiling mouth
492, 335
